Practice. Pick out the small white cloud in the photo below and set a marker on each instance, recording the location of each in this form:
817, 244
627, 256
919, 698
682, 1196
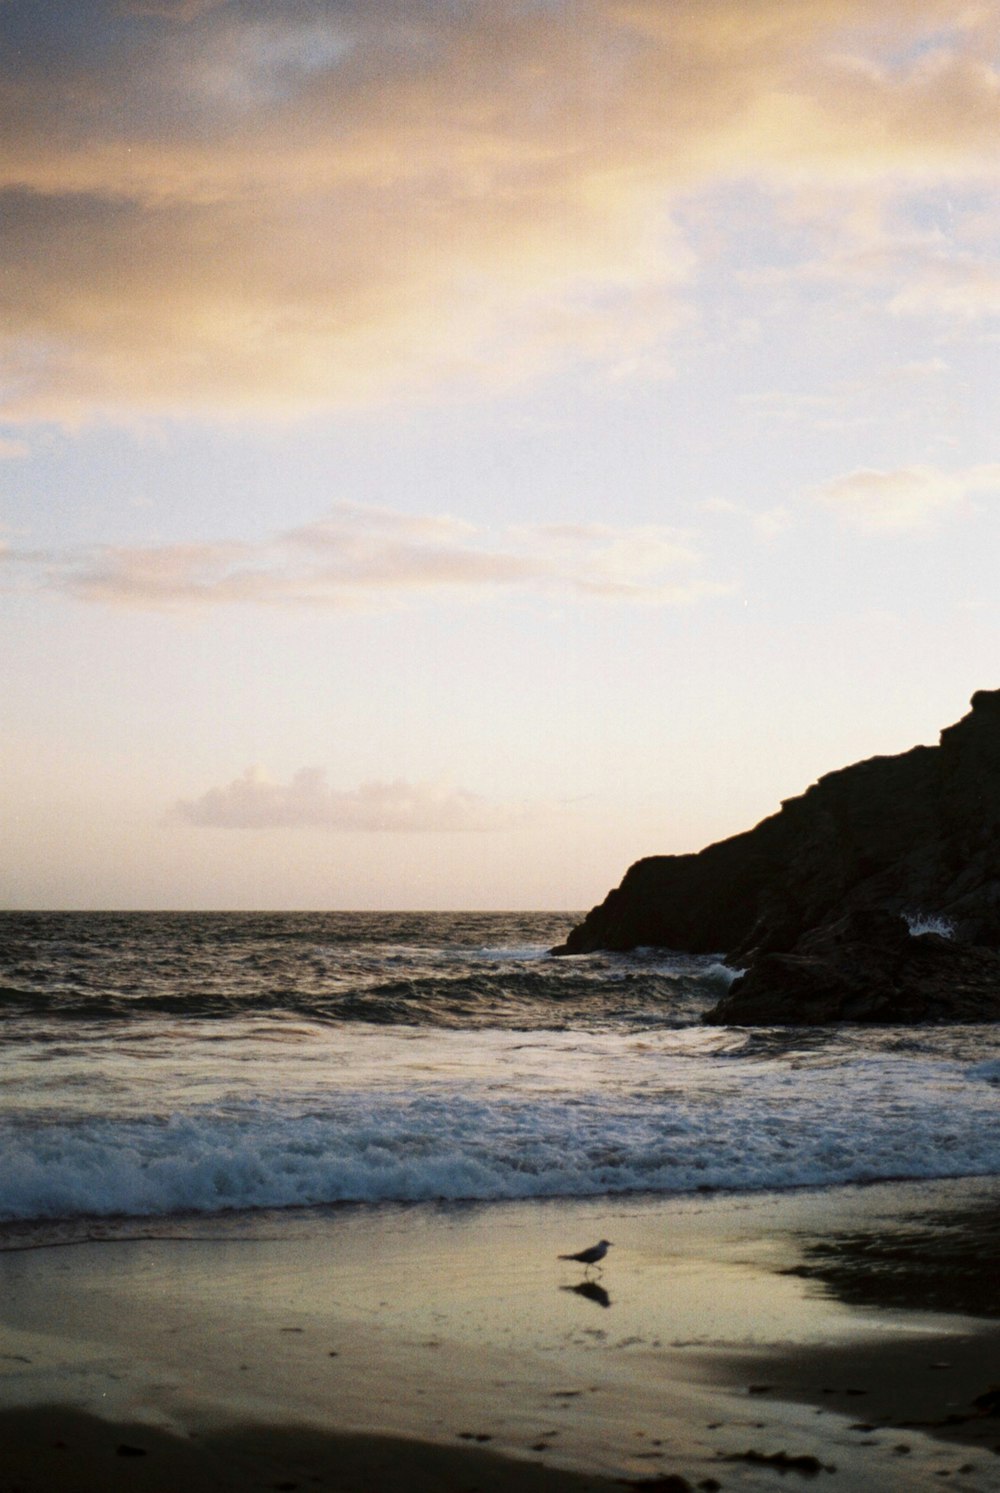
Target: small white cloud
767, 522
923, 368
961, 288
254, 801
907, 499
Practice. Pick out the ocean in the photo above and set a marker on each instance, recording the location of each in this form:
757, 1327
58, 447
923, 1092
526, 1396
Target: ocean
171, 1066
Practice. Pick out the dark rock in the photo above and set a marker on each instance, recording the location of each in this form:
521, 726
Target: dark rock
671, 1483
989, 1402
866, 967
808, 1465
817, 901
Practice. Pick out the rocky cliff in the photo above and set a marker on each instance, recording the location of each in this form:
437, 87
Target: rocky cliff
817, 903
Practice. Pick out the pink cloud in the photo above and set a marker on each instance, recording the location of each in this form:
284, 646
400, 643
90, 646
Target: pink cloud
253, 801
359, 557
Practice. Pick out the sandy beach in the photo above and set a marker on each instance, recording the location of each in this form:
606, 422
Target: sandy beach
735, 1342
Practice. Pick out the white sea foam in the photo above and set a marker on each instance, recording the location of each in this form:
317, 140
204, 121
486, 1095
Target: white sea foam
721, 975
929, 922
551, 1118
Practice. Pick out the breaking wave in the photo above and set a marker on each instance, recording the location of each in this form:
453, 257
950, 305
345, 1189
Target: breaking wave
673, 1119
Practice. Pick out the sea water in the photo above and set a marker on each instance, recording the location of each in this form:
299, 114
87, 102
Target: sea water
157, 1065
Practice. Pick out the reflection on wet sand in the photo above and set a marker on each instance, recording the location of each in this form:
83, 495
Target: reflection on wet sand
591, 1290
940, 1261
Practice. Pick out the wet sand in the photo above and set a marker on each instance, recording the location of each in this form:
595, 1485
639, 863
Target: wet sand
55, 1448
741, 1342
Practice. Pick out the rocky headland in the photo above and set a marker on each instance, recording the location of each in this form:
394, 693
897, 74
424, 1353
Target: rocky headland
872, 897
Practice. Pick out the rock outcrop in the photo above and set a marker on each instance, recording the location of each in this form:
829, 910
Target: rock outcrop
818, 901
866, 966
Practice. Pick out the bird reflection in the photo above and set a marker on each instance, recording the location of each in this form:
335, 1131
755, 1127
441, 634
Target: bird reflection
591, 1290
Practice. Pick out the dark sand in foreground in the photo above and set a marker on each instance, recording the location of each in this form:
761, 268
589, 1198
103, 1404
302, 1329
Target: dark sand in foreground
736, 1342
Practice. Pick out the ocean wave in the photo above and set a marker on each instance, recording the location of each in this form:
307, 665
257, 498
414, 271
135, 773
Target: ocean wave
531, 993
987, 1072
768, 1131
162, 1064
472, 970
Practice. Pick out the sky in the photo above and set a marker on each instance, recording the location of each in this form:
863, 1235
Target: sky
450, 449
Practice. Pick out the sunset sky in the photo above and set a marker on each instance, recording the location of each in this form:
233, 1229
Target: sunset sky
452, 448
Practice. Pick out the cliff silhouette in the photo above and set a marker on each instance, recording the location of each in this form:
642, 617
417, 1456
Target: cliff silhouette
873, 896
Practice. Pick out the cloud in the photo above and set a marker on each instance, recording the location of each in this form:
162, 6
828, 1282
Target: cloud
11, 449
959, 287
377, 557
276, 209
923, 368
769, 523
253, 801
907, 499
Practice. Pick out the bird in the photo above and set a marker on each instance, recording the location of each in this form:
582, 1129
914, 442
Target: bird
590, 1256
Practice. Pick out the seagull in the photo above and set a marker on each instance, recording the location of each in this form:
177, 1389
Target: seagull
590, 1256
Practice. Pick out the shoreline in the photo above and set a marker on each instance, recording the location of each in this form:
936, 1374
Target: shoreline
724, 1334
192, 1224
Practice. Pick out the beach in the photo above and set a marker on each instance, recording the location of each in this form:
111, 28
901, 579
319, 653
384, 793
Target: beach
282, 1198
735, 1341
